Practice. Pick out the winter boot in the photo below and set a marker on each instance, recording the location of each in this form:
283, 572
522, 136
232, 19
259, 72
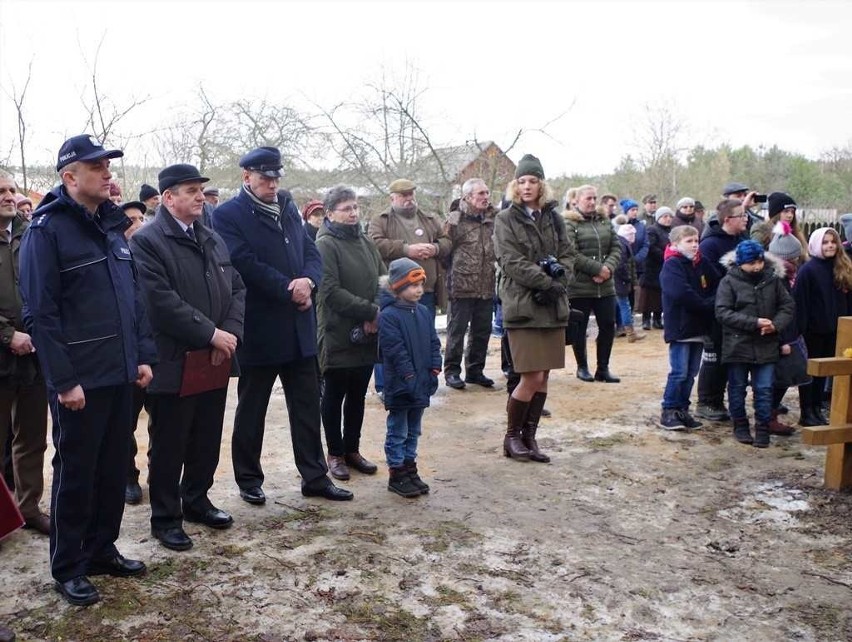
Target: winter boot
761, 435
646, 321
658, 321
808, 418
632, 335
742, 433
688, 420
513, 445
620, 331
671, 419
531, 426
400, 482
778, 428
411, 467
603, 374
582, 359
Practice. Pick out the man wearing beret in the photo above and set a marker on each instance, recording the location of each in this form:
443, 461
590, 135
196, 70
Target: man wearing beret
195, 300
281, 268
85, 313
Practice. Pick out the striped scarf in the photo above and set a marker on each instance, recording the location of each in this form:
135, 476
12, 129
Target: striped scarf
273, 210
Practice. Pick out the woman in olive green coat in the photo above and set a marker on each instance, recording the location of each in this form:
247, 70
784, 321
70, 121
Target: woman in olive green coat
593, 288
347, 315
535, 260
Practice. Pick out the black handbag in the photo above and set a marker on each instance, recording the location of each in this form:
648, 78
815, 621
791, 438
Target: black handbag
574, 330
791, 370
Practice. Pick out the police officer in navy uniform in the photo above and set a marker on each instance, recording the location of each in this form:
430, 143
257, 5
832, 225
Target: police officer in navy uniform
195, 300
84, 311
281, 268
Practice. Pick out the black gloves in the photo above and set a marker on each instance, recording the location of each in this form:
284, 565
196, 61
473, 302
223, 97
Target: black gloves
551, 295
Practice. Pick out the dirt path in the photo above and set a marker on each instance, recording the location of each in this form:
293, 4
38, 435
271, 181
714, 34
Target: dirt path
630, 533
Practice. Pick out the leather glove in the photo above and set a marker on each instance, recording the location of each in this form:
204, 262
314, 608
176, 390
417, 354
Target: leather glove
551, 295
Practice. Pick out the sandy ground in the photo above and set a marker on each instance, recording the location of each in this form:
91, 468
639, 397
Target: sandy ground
631, 533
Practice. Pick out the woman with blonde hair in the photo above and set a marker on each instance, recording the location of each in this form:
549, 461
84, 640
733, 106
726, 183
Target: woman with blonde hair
823, 293
535, 261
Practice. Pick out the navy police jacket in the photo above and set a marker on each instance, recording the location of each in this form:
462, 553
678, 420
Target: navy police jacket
82, 304
268, 256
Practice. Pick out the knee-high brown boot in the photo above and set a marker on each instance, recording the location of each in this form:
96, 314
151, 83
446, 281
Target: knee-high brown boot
513, 445
531, 426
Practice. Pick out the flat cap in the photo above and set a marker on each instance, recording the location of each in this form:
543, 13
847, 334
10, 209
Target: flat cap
401, 185
263, 160
733, 188
211, 191
177, 174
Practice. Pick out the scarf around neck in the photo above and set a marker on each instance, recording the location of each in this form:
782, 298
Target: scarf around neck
272, 210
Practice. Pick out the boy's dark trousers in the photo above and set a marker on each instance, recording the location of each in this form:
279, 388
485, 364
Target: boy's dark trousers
713, 375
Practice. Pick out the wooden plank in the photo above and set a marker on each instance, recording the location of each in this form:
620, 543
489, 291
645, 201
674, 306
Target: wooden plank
838, 467
829, 366
844, 335
825, 435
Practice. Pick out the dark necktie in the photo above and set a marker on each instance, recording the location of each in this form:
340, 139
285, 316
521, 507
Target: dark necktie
535, 214
191, 234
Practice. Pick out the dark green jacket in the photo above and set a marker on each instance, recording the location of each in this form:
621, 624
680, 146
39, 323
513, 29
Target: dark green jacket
519, 243
348, 296
24, 368
597, 245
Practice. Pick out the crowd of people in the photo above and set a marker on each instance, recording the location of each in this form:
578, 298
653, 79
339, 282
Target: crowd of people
107, 305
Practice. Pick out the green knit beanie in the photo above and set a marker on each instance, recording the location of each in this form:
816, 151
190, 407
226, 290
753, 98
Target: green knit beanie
530, 166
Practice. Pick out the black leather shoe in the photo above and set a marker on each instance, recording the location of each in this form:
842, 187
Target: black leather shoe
117, 566
212, 517
480, 380
330, 491
606, 376
583, 374
173, 538
253, 495
132, 493
78, 591
454, 381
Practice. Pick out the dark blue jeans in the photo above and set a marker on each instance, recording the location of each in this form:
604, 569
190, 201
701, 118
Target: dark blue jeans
684, 362
762, 377
403, 434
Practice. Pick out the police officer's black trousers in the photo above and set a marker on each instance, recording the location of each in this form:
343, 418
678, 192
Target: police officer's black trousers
301, 390
89, 473
185, 435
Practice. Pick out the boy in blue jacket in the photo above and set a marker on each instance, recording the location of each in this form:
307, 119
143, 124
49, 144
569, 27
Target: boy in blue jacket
688, 282
411, 356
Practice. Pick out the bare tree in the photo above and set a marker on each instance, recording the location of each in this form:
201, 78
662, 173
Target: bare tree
659, 148
18, 100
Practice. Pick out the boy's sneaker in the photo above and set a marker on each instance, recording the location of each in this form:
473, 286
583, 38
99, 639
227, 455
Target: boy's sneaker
401, 484
671, 419
712, 412
688, 420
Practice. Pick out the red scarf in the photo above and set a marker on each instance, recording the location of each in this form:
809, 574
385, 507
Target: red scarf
671, 251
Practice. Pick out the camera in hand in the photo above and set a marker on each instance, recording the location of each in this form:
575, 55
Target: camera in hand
552, 268
359, 337
760, 198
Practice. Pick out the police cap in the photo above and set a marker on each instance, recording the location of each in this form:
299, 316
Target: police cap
263, 160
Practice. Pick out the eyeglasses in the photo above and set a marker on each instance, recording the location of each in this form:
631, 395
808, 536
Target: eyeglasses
483, 192
737, 216
349, 209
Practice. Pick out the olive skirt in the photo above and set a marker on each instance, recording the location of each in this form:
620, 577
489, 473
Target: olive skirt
535, 349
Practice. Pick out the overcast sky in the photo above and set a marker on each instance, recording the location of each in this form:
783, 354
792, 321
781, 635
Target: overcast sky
757, 73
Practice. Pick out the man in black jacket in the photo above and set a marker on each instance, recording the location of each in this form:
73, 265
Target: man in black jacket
196, 301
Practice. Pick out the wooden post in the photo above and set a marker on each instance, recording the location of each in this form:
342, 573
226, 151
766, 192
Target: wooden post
838, 435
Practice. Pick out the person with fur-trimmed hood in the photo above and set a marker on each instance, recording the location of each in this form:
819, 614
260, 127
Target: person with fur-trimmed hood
535, 259
753, 308
593, 288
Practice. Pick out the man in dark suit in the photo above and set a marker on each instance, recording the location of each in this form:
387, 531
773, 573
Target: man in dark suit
195, 301
281, 268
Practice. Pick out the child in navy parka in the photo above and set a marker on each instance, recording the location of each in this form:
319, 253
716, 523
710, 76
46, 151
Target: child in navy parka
411, 356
